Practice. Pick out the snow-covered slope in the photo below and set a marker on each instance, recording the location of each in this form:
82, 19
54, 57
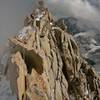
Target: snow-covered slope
89, 46
87, 37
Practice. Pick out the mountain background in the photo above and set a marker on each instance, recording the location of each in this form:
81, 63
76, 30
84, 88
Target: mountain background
83, 15
80, 16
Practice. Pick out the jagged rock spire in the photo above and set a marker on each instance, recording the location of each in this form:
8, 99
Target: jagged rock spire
49, 65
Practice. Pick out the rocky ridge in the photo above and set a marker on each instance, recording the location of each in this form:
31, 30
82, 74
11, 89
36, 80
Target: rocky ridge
46, 64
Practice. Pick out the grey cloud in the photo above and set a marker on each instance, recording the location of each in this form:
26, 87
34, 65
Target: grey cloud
12, 13
81, 9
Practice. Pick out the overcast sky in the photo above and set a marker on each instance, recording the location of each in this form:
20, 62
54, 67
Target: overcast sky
12, 13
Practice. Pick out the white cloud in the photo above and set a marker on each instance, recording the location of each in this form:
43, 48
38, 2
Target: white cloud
80, 9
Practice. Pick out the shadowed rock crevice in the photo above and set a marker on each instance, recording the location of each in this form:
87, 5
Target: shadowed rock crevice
29, 58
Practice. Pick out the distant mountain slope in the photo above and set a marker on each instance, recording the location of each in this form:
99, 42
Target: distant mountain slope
87, 37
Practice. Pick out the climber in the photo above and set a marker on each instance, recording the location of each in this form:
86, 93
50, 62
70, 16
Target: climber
38, 16
24, 33
27, 21
63, 26
32, 15
41, 10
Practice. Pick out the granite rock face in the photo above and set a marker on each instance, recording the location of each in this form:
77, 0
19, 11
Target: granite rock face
46, 64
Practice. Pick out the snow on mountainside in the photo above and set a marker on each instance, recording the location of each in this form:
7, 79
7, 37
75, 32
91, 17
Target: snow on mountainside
90, 46
87, 37
88, 42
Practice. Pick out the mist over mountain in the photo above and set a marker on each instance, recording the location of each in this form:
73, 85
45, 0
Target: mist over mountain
80, 9
12, 14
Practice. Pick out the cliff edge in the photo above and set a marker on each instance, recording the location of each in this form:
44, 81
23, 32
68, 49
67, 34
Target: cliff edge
46, 64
